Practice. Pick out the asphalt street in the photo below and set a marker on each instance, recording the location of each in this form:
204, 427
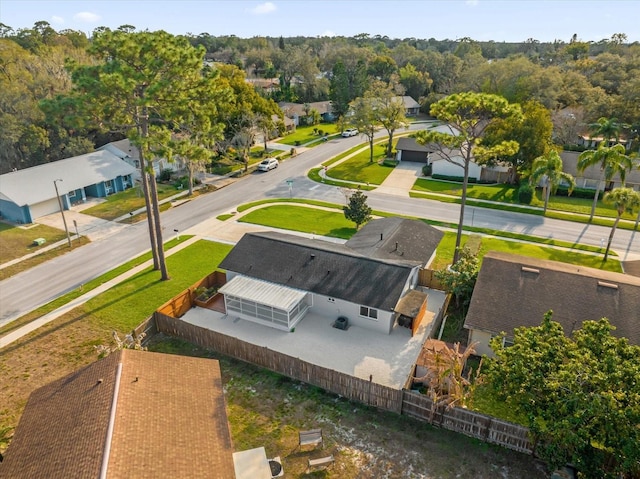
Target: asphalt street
37, 286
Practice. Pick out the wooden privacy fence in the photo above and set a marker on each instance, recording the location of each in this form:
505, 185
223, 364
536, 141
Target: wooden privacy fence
427, 278
469, 423
353, 388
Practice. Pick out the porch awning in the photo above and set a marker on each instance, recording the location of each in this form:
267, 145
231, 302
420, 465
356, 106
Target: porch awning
263, 292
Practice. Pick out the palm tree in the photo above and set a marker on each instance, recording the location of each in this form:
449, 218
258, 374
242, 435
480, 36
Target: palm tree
549, 168
623, 200
606, 128
612, 160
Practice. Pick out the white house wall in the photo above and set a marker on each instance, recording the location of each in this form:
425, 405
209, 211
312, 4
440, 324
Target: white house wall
334, 307
446, 168
483, 338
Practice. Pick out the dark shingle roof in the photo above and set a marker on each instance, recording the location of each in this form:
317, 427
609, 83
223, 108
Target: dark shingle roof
513, 291
409, 144
397, 239
170, 421
321, 267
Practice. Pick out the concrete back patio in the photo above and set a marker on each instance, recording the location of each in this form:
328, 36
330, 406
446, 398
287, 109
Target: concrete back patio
386, 359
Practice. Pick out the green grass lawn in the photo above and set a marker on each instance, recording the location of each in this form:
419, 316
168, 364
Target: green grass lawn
508, 194
303, 219
17, 241
334, 224
124, 202
359, 167
305, 134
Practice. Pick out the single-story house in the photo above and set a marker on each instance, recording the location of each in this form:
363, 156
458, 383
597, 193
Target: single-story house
407, 149
28, 194
590, 177
128, 152
265, 85
412, 107
592, 143
298, 111
274, 279
513, 291
131, 414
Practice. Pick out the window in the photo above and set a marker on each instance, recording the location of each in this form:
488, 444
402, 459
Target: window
71, 194
369, 312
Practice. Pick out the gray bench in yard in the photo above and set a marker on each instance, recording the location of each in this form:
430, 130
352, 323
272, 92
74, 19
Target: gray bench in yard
321, 461
312, 437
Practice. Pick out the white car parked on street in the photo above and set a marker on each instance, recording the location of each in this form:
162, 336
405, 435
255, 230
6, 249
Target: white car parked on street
349, 132
268, 164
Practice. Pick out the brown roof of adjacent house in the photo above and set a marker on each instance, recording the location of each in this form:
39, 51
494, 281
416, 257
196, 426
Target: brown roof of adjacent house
167, 417
513, 291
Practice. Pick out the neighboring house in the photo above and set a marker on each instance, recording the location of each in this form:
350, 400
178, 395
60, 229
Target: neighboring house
129, 153
409, 150
131, 414
590, 177
591, 143
265, 85
28, 194
513, 291
289, 125
298, 113
274, 279
412, 107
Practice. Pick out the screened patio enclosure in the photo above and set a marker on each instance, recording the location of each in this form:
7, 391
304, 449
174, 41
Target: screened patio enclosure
266, 303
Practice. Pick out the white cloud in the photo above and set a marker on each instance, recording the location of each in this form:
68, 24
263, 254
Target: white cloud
263, 8
328, 33
472, 3
86, 17
57, 20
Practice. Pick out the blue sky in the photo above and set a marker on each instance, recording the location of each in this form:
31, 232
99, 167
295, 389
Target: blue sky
506, 20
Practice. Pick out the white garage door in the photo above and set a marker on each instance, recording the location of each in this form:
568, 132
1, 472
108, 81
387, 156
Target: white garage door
44, 208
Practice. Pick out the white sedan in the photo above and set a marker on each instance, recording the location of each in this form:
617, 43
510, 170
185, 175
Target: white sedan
268, 164
349, 132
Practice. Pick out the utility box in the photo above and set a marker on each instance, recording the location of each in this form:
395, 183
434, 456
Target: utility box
39, 241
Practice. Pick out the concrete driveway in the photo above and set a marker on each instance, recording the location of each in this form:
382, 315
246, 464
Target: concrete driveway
401, 179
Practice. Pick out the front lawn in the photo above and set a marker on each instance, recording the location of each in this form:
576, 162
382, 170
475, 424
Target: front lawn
17, 241
305, 134
303, 219
504, 193
359, 168
334, 224
127, 201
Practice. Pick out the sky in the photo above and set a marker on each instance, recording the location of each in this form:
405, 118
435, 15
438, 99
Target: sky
481, 20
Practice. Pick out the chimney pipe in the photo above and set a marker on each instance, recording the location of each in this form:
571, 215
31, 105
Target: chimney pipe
396, 246
380, 236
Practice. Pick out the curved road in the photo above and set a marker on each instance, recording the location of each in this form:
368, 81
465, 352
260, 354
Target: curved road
41, 284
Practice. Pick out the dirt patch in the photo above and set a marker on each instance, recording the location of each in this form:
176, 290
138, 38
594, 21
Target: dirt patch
267, 409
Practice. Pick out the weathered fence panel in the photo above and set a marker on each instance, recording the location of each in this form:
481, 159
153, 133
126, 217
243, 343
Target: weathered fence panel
427, 278
469, 423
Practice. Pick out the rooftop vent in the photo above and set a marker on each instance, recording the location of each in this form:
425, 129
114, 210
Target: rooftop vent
607, 285
526, 269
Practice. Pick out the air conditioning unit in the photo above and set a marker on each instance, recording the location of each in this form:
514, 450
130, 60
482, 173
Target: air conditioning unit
276, 467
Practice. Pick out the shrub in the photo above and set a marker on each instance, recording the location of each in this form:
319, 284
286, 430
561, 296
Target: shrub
293, 151
165, 175
525, 194
586, 193
390, 162
427, 170
458, 179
